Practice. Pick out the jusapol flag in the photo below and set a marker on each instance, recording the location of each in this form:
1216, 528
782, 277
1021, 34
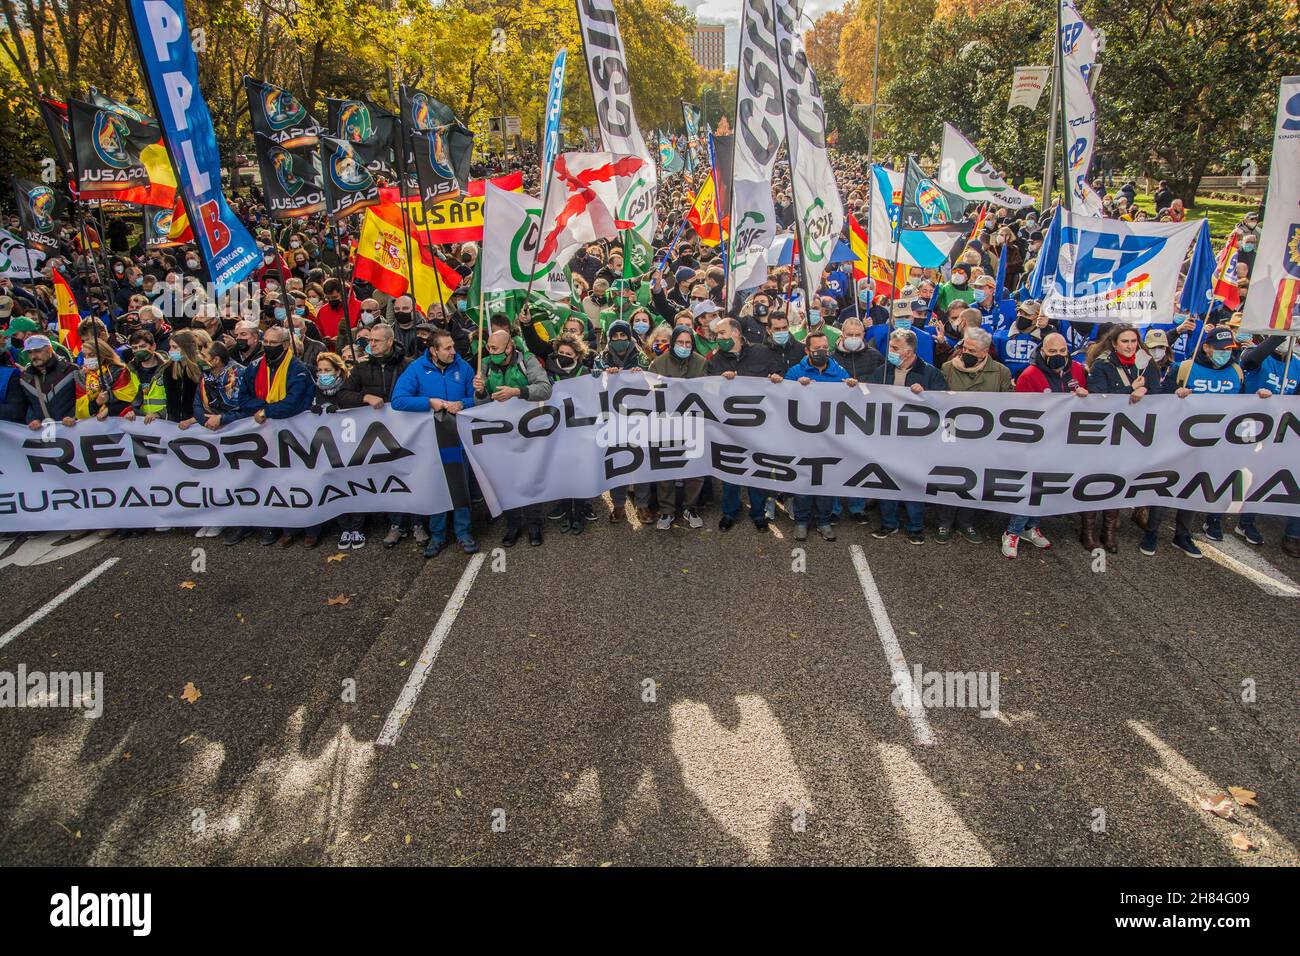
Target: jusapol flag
581, 201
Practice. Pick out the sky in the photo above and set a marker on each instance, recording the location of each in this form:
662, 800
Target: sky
728, 12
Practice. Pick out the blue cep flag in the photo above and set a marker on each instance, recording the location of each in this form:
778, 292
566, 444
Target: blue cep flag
171, 72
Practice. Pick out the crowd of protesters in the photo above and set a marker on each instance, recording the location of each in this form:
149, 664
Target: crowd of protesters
154, 345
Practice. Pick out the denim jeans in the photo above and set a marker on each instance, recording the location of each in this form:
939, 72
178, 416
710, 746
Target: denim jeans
889, 514
460, 522
805, 505
856, 506
1292, 529
731, 501
1019, 524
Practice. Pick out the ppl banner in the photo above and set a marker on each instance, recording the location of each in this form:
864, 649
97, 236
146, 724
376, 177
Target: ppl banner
1014, 453
162, 39
288, 473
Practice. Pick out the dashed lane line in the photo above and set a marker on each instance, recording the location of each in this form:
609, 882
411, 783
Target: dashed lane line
41, 612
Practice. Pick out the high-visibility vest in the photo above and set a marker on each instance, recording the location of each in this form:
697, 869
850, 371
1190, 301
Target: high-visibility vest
155, 396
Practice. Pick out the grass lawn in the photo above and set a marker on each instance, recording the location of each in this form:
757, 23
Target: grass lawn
1223, 214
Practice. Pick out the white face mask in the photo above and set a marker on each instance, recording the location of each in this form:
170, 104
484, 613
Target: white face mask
367, 318
852, 343
91, 363
1158, 353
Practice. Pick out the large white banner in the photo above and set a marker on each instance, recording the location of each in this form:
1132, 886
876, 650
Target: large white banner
1014, 453
281, 474
1027, 87
611, 91
759, 135
963, 170
1078, 59
1273, 305
512, 227
1108, 270
817, 205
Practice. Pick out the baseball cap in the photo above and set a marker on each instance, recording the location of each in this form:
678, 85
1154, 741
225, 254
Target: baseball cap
902, 308
1028, 307
704, 307
22, 323
1220, 337
1156, 337
684, 273
34, 342
6, 306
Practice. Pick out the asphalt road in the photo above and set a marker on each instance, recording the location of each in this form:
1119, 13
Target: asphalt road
640, 697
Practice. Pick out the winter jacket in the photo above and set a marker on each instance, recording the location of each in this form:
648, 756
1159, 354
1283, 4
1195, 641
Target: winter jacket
299, 390
861, 363
752, 361
423, 379
920, 372
1110, 377
56, 388
993, 377
373, 376
1039, 378
670, 366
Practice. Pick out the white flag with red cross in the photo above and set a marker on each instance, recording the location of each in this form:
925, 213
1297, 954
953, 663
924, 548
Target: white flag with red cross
582, 200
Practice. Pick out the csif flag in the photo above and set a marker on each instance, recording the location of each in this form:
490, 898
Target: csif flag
349, 185
964, 172
277, 115
42, 210
291, 179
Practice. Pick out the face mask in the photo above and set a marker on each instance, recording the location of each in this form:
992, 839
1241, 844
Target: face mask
1023, 324
175, 355
1158, 354
723, 345
781, 337
91, 363
1248, 246
367, 318
274, 353
118, 270
969, 360
894, 359
403, 318
142, 354
566, 363
904, 324
268, 258
1220, 357
1056, 362
138, 281
682, 351
498, 359
640, 328
864, 296
819, 357
281, 314
852, 343
462, 305
327, 379
467, 258
760, 311
620, 346
978, 296
958, 280
1245, 338
295, 244
191, 263
814, 317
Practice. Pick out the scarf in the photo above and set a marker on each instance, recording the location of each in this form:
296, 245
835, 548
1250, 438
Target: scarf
271, 388
973, 369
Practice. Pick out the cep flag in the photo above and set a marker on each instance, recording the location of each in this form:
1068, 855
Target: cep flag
442, 161
349, 186
291, 179
278, 116
41, 211
109, 151
171, 73
371, 131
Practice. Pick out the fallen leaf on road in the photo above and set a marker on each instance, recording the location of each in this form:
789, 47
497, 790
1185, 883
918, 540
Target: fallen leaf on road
1020, 768
1244, 797
338, 556
458, 792
337, 599
1220, 804
408, 839
188, 585
1243, 843
191, 693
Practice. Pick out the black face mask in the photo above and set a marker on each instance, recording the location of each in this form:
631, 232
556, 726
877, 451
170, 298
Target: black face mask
274, 353
819, 357
760, 311
1023, 324
403, 318
566, 363
969, 361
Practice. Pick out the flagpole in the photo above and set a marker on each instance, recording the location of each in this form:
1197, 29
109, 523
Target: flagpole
428, 237
1051, 114
875, 91
722, 243
1067, 187
404, 138
798, 232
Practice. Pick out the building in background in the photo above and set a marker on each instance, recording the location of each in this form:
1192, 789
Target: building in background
708, 45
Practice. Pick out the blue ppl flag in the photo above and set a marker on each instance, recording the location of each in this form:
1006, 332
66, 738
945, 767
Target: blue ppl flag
554, 101
171, 72
1000, 284
1198, 288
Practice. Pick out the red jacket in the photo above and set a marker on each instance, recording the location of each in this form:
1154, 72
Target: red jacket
1035, 379
330, 317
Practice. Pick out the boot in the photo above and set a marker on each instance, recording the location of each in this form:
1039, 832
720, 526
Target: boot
1088, 530
1140, 516
1109, 524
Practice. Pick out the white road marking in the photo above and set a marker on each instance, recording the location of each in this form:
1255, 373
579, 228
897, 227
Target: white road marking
931, 825
899, 672
420, 673
45, 548
41, 612
1238, 556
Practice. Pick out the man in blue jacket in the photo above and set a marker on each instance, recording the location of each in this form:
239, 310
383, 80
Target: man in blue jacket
442, 382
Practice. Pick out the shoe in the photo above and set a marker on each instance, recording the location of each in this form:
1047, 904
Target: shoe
916, 537
760, 524
862, 517
559, 511
236, 535
534, 537
345, 541
358, 540
826, 531
1088, 531
421, 534
566, 523
725, 523
1291, 546
942, 535
1185, 544
1109, 525
395, 534
617, 516
468, 545
511, 537
201, 533
1010, 544
310, 540
769, 509
645, 516
883, 533
801, 532
587, 511
285, 540
1141, 516
269, 537
576, 524
1037, 539
159, 530
1250, 533
1213, 529
1148, 544
971, 535
692, 518
664, 523
434, 548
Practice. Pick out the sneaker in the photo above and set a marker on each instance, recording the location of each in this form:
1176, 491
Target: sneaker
1185, 544
358, 540
760, 524
1010, 544
1213, 528
559, 511
884, 532
692, 518
1037, 539
971, 535
395, 534
236, 535
916, 537
826, 531
1250, 533
1148, 544
942, 534
587, 511
576, 524
421, 534
725, 523
665, 522
801, 532
268, 537
534, 537
434, 548
645, 515
862, 517
345, 541
468, 545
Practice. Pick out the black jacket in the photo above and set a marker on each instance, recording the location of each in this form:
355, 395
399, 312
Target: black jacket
1105, 377
859, 364
372, 377
921, 373
753, 361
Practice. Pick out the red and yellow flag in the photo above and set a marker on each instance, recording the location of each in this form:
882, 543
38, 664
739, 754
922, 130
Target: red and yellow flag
865, 263
703, 216
381, 260
69, 316
1284, 305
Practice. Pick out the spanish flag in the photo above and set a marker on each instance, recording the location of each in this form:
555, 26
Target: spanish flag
1284, 305
865, 264
69, 316
381, 260
180, 229
703, 216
